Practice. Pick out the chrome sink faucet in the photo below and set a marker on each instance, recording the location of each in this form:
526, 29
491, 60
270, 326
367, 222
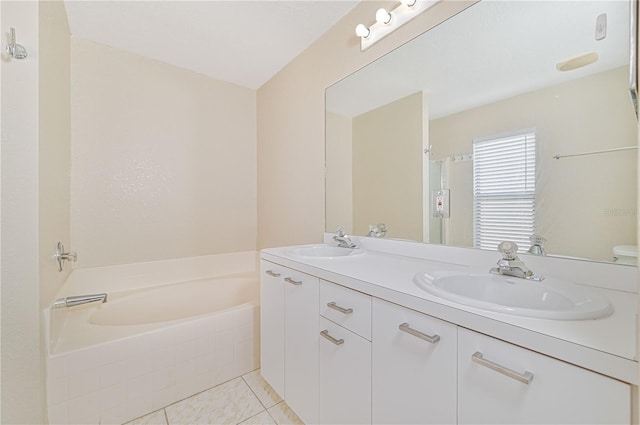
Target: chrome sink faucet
78, 300
511, 265
343, 240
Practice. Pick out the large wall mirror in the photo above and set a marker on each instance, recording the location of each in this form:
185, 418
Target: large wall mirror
510, 121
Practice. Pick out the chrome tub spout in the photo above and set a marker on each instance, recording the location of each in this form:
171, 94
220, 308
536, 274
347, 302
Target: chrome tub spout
78, 300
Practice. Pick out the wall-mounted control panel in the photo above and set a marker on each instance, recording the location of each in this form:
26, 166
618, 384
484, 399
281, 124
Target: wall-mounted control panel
440, 203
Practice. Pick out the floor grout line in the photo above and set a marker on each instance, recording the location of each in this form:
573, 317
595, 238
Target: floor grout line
246, 419
272, 418
252, 391
166, 417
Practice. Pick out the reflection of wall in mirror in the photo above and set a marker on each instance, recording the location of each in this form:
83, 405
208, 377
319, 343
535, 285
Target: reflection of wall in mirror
339, 192
387, 168
584, 205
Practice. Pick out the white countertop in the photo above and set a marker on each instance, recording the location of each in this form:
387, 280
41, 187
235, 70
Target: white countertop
606, 345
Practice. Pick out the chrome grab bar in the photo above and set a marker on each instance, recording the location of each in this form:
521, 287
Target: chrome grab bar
272, 273
406, 328
525, 377
325, 334
336, 307
293, 282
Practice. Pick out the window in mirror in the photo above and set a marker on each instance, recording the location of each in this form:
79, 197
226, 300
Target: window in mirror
504, 189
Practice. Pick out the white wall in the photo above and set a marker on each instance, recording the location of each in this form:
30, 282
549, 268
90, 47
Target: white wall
22, 384
163, 160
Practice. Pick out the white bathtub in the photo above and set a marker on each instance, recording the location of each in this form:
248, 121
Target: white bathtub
176, 301
151, 344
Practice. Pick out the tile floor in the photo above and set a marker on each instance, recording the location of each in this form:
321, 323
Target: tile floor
248, 400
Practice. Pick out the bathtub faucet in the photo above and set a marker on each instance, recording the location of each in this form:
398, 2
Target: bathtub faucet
79, 299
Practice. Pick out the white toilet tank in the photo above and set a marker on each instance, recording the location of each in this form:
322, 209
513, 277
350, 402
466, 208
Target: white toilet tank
626, 254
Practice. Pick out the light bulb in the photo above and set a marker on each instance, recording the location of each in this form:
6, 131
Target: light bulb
382, 16
408, 3
362, 31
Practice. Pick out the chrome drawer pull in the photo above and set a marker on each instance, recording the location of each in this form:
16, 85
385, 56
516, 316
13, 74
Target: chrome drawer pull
432, 339
272, 273
525, 378
293, 282
342, 310
325, 333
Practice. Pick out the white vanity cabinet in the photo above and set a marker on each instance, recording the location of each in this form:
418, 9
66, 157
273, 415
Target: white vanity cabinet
493, 388
414, 367
289, 343
345, 356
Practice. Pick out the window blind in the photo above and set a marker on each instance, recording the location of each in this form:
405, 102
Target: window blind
504, 190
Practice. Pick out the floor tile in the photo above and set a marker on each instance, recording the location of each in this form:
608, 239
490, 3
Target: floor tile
228, 403
267, 396
283, 415
155, 418
263, 418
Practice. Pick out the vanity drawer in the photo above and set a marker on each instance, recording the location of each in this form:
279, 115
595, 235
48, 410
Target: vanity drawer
346, 307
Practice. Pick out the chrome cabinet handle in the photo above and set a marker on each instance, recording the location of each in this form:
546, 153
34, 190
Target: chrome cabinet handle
293, 282
272, 273
525, 377
325, 334
342, 310
406, 328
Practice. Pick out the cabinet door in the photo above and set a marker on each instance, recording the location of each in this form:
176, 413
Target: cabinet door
558, 392
302, 294
414, 376
272, 325
345, 376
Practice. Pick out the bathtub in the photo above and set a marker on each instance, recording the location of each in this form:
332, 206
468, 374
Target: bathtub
151, 344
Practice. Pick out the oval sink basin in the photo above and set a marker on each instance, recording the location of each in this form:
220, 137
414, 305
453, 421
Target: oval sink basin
549, 299
325, 251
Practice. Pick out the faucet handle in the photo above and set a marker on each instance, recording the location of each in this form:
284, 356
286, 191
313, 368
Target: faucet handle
60, 256
508, 249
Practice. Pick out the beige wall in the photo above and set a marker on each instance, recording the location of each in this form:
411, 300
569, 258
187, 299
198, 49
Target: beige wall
22, 383
584, 205
387, 182
291, 123
163, 160
339, 156
54, 145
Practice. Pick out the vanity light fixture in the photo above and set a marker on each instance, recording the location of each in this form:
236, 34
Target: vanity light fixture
389, 21
382, 16
362, 31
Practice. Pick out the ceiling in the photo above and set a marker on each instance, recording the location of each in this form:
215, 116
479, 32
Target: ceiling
242, 42
490, 51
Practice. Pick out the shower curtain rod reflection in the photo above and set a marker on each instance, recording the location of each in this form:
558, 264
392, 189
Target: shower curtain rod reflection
596, 152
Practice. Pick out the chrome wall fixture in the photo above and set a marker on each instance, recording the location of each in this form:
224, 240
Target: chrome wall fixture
16, 51
389, 21
62, 256
79, 300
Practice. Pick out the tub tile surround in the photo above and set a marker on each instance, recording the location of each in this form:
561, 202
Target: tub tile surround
247, 401
606, 345
130, 375
124, 379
